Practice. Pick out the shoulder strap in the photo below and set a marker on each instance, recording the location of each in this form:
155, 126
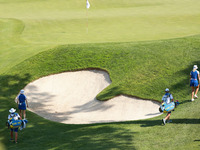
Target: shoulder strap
15, 114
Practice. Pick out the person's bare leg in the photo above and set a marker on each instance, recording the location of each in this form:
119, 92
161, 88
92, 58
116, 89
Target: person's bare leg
11, 135
197, 89
193, 89
24, 111
16, 134
20, 113
167, 117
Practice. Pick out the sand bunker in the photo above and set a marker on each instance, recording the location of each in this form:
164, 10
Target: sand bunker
70, 98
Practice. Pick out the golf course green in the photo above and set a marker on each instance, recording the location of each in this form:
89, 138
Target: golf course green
145, 46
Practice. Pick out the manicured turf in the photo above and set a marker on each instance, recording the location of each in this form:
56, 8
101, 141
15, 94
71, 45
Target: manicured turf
32, 26
141, 69
163, 63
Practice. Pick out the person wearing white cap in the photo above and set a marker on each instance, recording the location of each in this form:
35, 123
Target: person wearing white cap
22, 103
15, 116
167, 98
194, 83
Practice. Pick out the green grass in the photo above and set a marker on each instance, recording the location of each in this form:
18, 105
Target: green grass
142, 69
31, 26
127, 39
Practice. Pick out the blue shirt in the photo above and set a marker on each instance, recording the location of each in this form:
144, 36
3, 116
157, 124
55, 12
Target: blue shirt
21, 98
167, 98
194, 75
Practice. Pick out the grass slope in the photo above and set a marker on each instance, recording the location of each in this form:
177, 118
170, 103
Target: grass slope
143, 69
32, 26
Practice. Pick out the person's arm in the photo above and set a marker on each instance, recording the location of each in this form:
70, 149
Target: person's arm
171, 97
162, 100
17, 101
26, 103
19, 116
190, 76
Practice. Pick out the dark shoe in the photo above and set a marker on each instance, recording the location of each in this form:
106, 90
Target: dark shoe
169, 121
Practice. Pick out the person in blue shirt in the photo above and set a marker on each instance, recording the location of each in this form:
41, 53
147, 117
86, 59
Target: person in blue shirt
22, 103
167, 98
15, 116
194, 77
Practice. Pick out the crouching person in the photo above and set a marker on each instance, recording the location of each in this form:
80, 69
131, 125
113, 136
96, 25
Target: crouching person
14, 121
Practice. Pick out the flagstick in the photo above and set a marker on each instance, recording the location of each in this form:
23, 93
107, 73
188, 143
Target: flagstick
87, 21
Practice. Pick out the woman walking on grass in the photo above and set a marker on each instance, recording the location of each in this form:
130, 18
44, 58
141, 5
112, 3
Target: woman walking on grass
22, 103
194, 77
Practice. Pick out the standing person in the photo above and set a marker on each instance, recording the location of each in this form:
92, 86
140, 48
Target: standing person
22, 103
194, 77
167, 98
13, 116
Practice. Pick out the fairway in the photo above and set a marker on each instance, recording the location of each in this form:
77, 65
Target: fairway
144, 46
29, 27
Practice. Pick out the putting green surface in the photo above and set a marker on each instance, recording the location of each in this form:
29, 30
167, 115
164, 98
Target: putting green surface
108, 21
28, 27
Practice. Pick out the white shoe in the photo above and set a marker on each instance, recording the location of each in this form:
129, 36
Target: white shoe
163, 121
195, 96
192, 100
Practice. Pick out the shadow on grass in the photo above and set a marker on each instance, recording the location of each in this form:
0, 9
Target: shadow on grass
50, 135
151, 123
44, 134
196, 140
10, 85
185, 101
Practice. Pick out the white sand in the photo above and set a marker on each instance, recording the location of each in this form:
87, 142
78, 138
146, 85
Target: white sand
70, 98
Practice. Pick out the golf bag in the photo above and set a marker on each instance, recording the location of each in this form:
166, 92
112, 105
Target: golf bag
13, 124
167, 107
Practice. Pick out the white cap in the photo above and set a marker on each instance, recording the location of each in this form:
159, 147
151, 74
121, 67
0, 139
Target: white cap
195, 67
12, 110
166, 90
22, 92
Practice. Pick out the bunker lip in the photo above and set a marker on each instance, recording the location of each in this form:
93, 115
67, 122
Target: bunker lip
70, 98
